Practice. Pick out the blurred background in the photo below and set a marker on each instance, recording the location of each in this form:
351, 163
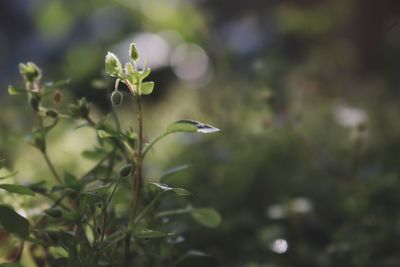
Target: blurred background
305, 170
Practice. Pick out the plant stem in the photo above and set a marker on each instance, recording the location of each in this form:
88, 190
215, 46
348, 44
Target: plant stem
137, 175
51, 167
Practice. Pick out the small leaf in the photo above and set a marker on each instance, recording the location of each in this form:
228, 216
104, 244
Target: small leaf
191, 253
113, 65
191, 126
147, 88
178, 191
207, 217
162, 187
70, 180
17, 189
15, 91
38, 187
106, 133
148, 233
13, 222
181, 192
2, 163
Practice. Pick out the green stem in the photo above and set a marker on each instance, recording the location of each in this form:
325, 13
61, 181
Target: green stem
51, 167
153, 143
147, 209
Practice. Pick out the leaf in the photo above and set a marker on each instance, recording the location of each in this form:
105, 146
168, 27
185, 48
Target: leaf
162, 187
94, 154
2, 163
181, 192
15, 91
103, 133
207, 217
191, 126
147, 88
13, 222
38, 187
113, 65
68, 241
148, 233
165, 188
70, 180
17, 189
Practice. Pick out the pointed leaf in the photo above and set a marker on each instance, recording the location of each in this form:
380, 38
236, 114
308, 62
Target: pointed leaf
15, 91
207, 217
103, 133
181, 192
13, 222
113, 65
17, 189
147, 88
191, 126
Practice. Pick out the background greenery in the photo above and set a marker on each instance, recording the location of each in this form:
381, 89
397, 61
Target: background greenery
306, 168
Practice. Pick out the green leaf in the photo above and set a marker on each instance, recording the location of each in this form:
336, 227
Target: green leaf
181, 192
17, 189
165, 188
13, 222
191, 126
15, 91
106, 133
147, 88
113, 65
148, 233
2, 163
207, 217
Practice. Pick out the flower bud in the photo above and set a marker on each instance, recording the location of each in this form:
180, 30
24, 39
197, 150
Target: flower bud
113, 65
133, 53
116, 98
30, 71
54, 212
126, 170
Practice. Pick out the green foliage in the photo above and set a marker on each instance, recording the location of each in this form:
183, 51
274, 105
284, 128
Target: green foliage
82, 219
13, 223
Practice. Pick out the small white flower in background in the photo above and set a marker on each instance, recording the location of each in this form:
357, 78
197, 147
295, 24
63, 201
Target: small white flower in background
301, 205
349, 116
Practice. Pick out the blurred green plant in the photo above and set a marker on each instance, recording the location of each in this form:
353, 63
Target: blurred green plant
83, 225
